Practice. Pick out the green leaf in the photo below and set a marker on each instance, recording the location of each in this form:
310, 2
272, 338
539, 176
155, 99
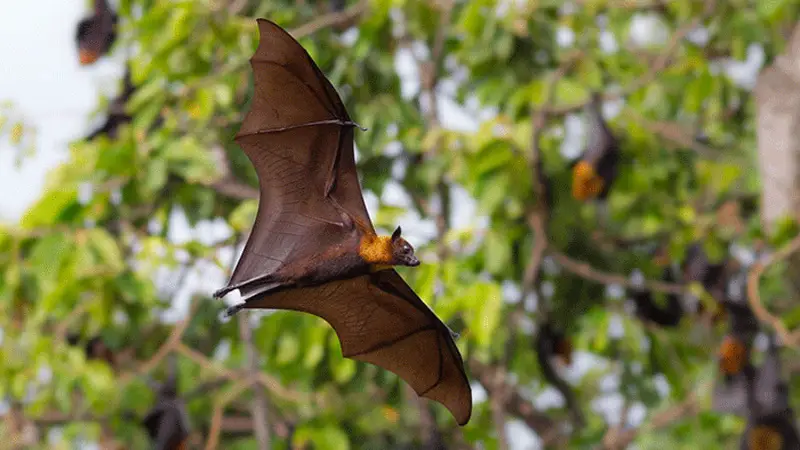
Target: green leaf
49, 207
242, 218
343, 370
106, 249
288, 349
189, 159
484, 301
770, 9
497, 252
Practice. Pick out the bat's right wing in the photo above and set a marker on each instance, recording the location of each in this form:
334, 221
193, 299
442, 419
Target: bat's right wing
299, 138
380, 320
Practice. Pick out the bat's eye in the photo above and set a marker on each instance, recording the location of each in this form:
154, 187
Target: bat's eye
407, 249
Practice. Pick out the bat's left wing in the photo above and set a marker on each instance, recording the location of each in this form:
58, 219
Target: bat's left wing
379, 319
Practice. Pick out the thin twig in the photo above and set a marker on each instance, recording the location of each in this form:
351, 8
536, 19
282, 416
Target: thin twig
754, 297
219, 407
518, 405
172, 342
622, 439
273, 385
588, 272
338, 19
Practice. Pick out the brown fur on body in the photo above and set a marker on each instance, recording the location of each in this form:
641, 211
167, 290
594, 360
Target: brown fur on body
359, 254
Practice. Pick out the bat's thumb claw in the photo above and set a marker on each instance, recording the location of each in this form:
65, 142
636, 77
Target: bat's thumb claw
233, 309
453, 334
219, 293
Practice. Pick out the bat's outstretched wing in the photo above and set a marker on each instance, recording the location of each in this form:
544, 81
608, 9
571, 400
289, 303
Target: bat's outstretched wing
380, 320
299, 138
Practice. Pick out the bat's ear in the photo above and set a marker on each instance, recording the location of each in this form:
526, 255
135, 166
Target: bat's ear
396, 233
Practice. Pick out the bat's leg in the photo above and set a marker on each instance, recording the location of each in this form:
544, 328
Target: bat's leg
259, 279
232, 310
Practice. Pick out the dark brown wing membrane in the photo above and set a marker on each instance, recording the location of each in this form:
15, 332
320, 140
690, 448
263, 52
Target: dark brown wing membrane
299, 138
380, 320
291, 91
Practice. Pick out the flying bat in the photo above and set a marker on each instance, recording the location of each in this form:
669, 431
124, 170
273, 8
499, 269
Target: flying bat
313, 247
96, 33
595, 171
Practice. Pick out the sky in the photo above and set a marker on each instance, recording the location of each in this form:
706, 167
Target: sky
40, 75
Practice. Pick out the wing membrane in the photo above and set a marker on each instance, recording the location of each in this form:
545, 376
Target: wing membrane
380, 320
307, 173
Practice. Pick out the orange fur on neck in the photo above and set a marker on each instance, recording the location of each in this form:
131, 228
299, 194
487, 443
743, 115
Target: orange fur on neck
376, 250
586, 183
764, 438
732, 355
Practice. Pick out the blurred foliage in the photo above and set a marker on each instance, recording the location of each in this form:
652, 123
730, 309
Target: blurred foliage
14, 130
97, 254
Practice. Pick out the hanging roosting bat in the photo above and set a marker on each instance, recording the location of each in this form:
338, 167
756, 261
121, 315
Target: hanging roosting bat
95, 348
167, 423
647, 309
550, 343
730, 393
313, 247
771, 420
96, 33
595, 171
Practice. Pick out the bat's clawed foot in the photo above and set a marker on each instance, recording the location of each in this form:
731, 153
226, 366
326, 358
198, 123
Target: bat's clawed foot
232, 310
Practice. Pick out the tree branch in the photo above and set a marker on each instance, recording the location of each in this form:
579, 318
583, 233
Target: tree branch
517, 405
588, 272
343, 19
620, 440
754, 297
260, 401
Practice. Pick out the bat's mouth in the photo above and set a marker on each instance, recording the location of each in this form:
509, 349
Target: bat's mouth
412, 261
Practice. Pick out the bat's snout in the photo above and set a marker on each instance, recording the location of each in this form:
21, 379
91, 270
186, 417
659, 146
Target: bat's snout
86, 57
412, 261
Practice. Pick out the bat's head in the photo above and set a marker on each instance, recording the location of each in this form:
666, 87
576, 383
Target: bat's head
402, 251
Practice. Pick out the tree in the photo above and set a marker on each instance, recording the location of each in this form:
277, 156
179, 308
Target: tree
470, 109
